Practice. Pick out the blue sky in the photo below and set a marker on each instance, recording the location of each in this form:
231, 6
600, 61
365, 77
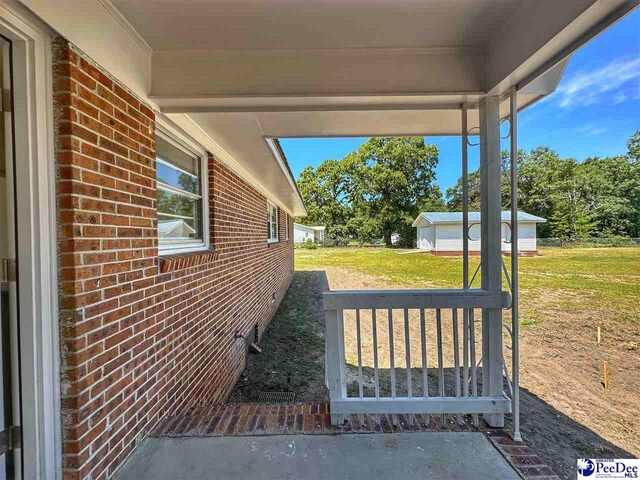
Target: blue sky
595, 109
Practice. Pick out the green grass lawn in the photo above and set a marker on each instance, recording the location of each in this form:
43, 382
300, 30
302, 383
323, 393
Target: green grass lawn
606, 280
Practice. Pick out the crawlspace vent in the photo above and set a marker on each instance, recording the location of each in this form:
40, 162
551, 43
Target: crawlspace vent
276, 397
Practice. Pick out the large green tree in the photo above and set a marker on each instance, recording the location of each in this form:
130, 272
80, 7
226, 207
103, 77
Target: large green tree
375, 191
324, 191
612, 191
392, 178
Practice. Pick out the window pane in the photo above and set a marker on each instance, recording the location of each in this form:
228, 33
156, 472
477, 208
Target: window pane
272, 223
179, 217
176, 178
172, 154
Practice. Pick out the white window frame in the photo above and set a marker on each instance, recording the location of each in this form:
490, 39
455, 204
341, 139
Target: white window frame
171, 134
271, 205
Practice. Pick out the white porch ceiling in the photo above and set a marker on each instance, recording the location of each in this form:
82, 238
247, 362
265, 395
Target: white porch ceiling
244, 70
315, 24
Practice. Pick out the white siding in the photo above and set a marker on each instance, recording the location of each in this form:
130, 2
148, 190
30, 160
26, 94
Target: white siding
448, 237
426, 238
302, 234
527, 237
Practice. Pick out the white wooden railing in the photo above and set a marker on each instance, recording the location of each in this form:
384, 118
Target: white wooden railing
422, 311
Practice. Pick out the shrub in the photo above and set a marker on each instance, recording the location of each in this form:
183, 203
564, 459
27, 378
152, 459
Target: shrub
308, 244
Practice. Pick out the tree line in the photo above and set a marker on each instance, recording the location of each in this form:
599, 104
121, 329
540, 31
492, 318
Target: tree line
379, 190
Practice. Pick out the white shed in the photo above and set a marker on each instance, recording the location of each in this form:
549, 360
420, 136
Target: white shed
441, 232
303, 233
175, 229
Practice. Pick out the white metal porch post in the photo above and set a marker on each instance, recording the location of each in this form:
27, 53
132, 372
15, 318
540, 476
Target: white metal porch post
491, 262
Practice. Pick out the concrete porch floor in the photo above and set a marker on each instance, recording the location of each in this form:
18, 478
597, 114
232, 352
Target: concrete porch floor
400, 456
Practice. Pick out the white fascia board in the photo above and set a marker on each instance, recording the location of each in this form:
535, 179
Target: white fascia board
278, 154
303, 227
421, 221
98, 29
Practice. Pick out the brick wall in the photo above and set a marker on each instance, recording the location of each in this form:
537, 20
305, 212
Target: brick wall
143, 335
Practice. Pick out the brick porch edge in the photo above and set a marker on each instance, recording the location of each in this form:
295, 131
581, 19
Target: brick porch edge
248, 419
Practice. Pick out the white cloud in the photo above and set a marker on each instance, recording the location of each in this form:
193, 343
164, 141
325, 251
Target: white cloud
590, 130
617, 82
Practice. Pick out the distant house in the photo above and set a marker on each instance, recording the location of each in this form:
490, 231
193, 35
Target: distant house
441, 232
303, 233
175, 229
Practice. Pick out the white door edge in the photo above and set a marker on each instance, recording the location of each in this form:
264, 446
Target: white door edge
35, 184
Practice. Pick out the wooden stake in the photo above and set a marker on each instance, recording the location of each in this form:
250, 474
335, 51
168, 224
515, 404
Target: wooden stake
598, 335
605, 372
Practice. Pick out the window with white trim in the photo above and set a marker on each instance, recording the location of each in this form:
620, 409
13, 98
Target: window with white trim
181, 211
272, 222
286, 226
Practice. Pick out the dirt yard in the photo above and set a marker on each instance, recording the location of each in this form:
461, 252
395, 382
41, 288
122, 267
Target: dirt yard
566, 412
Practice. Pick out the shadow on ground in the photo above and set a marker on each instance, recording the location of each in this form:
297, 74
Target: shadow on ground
292, 358
293, 361
558, 439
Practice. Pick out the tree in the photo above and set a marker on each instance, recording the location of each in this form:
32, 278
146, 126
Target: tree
373, 192
633, 146
612, 190
180, 206
324, 191
392, 177
454, 194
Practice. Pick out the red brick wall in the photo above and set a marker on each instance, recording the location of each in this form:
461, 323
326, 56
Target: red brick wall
143, 335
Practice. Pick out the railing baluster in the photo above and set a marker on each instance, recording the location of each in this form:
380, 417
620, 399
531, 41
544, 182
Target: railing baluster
407, 353
465, 352
334, 342
359, 343
439, 339
392, 369
474, 366
456, 354
423, 341
374, 329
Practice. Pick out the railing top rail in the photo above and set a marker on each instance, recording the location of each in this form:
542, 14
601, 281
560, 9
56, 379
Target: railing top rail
381, 299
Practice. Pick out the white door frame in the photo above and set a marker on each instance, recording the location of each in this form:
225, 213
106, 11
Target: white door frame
35, 186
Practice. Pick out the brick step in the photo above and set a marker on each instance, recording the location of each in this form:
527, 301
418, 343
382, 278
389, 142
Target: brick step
296, 418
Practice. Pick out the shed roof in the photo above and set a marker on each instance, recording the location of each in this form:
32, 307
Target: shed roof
165, 228
456, 217
299, 226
